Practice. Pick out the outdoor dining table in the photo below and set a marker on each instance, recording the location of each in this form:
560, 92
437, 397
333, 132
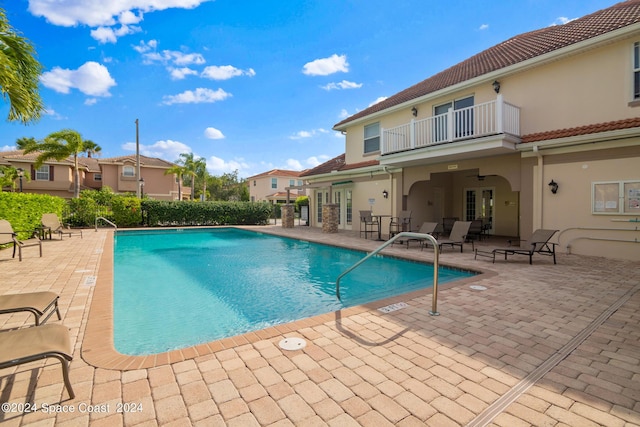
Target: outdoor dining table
379, 217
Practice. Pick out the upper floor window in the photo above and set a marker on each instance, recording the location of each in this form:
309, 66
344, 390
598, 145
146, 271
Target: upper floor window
292, 182
128, 171
97, 177
274, 182
372, 138
42, 173
254, 182
636, 70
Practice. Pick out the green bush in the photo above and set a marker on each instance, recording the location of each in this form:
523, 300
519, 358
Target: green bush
24, 210
162, 213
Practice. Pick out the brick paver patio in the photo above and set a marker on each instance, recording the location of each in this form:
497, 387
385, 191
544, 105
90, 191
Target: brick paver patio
543, 345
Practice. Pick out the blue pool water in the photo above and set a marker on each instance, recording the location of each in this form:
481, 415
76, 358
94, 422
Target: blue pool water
178, 288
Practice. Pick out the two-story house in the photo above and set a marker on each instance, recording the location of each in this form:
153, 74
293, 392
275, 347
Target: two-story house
272, 186
119, 173
539, 131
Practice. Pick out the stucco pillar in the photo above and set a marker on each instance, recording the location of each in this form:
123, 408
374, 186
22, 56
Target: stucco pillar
330, 218
287, 215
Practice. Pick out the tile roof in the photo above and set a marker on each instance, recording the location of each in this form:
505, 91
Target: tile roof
582, 130
515, 50
338, 164
144, 161
278, 172
92, 164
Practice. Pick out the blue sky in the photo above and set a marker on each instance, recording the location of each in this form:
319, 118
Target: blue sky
248, 85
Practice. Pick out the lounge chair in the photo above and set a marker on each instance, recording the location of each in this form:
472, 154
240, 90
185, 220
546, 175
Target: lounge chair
368, 224
538, 243
400, 223
425, 228
36, 343
41, 304
51, 224
457, 236
8, 236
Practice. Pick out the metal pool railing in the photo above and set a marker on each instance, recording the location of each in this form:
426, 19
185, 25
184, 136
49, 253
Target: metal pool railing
107, 221
407, 234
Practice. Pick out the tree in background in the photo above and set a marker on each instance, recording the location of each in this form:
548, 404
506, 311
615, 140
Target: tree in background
228, 187
24, 142
59, 146
91, 148
202, 175
19, 74
9, 177
178, 171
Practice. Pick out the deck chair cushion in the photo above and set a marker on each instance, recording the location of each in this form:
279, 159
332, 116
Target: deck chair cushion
41, 304
39, 342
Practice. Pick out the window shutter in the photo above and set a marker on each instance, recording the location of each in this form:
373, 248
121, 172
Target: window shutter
50, 172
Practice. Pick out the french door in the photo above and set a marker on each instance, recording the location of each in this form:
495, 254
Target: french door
479, 204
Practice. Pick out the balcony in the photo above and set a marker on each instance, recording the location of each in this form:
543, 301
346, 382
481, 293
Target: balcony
495, 117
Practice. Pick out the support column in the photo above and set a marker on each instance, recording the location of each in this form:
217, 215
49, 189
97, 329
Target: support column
330, 218
287, 215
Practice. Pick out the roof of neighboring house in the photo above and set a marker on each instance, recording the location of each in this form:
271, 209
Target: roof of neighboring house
144, 161
515, 50
338, 164
282, 194
278, 172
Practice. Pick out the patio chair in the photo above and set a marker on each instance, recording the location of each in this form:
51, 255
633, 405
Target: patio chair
41, 304
457, 236
9, 236
368, 224
538, 243
400, 223
36, 343
475, 230
51, 224
425, 228
447, 224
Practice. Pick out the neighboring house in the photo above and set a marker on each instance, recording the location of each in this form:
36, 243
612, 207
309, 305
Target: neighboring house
56, 177
272, 186
488, 138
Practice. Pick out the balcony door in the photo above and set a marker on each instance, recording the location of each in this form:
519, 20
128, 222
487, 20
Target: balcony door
463, 116
479, 204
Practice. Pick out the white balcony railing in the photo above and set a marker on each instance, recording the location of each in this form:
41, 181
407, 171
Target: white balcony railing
490, 118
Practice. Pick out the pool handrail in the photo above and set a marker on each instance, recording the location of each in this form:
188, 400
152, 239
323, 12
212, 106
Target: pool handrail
404, 234
105, 220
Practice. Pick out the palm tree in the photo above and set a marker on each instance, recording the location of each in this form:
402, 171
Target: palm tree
59, 146
91, 148
188, 163
19, 74
202, 174
25, 142
178, 171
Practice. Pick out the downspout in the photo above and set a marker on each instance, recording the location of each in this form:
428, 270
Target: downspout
539, 187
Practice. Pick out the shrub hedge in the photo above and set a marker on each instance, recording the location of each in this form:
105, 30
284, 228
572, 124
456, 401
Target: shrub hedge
24, 210
164, 213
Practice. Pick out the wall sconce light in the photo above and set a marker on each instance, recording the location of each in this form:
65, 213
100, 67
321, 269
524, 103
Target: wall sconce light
385, 194
414, 111
20, 172
554, 186
496, 86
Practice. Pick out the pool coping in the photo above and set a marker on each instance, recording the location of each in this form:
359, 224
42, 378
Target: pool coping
98, 347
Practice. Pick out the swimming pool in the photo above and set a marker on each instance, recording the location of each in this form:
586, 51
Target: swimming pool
181, 287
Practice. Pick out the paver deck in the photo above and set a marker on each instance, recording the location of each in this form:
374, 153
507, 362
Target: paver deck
542, 344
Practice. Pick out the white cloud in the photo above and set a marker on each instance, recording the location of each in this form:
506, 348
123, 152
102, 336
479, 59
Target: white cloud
217, 166
293, 164
225, 72
110, 35
150, 56
181, 73
200, 95
91, 79
326, 66
314, 161
143, 46
213, 133
53, 114
90, 101
484, 27
342, 85
378, 100
343, 114
561, 20
7, 148
100, 13
308, 133
168, 150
